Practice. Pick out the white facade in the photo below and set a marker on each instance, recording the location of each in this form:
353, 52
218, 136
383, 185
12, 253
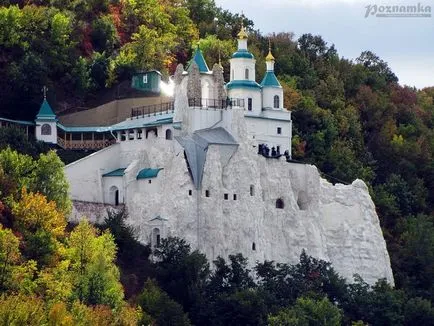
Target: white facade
208, 184
46, 130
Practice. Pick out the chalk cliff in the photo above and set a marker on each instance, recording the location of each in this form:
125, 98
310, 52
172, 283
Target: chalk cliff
337, 223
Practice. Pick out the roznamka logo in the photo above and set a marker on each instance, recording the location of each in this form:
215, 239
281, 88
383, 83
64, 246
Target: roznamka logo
398, 11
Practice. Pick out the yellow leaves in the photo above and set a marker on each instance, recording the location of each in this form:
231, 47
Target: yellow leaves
291, 96
33, 212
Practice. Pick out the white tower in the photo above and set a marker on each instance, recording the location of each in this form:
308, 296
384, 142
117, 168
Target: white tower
46, 123
242, 83
272, 92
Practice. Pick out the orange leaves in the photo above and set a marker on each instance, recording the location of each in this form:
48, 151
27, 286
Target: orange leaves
34, 212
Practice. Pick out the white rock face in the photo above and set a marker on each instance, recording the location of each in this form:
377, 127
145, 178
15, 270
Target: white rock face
335, 223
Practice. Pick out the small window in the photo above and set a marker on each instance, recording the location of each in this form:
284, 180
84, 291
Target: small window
190, 192
226, 196
168, 134
279, 130
249, 104
235, 196
276, 101
158, 240
145, 79
252, 190
46, 129
149, 181
253, 246
279, 203
206, 193
246, 74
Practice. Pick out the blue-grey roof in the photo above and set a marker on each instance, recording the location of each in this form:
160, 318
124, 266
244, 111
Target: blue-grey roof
45, 112
196, 147
152, 121
19, 122
148, 173
115, 173
200, 61
242, 84
242, 54
270, 80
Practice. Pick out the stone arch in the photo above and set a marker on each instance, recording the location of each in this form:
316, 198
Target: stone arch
46, 129
156, 238
168, 134
154, 130
276, 101
114, 195
280, 204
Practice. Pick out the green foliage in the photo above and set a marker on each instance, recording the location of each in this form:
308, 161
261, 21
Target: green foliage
307, 311
162, 309
94, 275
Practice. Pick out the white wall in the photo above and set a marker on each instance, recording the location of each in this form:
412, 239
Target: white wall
268, 94
265, 131
238, 67
254, 94
85, 175
108, 183
52, 138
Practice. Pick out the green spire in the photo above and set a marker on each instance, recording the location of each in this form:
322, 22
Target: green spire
200, 61
270, 80
45, 111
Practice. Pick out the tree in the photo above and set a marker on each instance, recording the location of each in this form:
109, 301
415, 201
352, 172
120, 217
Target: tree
9, 256
307, 311
162, 309
95, 277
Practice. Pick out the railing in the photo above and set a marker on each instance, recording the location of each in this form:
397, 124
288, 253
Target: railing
150, 110
209, 103
84, 144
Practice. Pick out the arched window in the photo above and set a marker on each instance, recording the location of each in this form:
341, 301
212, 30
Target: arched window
252, 190
46, 129
156, 237
279, 203
246, 74
253, 246
168, 134
276, 101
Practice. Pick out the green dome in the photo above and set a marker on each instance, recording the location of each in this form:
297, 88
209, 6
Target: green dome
242, 54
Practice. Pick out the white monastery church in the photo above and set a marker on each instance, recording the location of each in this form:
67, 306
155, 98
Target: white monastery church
214, 167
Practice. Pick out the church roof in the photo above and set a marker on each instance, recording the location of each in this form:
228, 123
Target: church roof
45, 111
270, 80
242, 84
115, 173
148, 173
196, 147
242, 53
200, 61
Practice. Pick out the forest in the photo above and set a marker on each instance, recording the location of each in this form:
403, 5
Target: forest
352, 119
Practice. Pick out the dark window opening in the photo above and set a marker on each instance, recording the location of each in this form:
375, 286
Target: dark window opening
252, 190
276, 102
149, 181
169, 134
117, 197
279, 203
235, 196
249, 104
190, 192
206, 193
158, 240
279, 130
253, 246
246, 74
226, 196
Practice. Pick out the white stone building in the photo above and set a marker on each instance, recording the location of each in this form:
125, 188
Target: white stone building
202, 173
